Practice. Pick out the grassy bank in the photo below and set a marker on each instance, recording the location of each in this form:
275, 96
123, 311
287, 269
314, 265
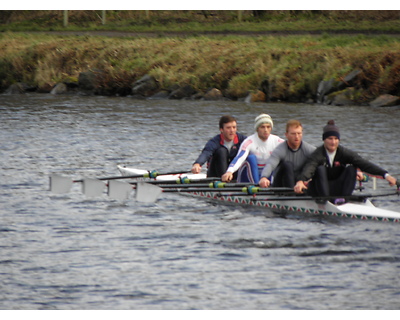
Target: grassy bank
385, 21
292, 65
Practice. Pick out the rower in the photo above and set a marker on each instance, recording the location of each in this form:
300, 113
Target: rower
287, 159
254, 152
333, 168
221, 149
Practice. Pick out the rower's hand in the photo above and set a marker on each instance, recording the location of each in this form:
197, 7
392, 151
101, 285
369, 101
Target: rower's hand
196, 168
264, 183
227, 177
299, 187
360, 176
392, 180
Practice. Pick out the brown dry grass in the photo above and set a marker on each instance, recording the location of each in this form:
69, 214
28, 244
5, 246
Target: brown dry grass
293, 65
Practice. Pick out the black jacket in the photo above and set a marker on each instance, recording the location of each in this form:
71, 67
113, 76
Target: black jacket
342, 158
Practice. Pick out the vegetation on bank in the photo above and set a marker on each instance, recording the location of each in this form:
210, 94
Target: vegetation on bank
292, 65
159, 21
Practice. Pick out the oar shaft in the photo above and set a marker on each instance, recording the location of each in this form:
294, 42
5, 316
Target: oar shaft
243, 191
244, 187
115, 178
358, 197
177, 189
181, 182
149, 174
198, 184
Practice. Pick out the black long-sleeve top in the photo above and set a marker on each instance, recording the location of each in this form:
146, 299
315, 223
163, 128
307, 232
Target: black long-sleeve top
342, 158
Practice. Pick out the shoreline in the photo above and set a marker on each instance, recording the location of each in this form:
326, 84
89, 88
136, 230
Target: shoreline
338, 70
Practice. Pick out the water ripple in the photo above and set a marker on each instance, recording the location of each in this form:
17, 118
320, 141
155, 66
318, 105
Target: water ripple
71, 252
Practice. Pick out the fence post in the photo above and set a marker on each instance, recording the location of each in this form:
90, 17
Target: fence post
103, 17
65, 18
240, 15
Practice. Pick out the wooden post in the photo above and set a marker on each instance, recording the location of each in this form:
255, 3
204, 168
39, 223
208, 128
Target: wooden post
147, 14
240, 15
65, 18
103, 17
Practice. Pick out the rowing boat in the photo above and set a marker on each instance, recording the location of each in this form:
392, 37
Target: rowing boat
357, 207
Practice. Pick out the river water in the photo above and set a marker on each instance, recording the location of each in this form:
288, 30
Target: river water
71, 252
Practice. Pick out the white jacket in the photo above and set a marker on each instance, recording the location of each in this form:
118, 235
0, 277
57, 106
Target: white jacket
254, 145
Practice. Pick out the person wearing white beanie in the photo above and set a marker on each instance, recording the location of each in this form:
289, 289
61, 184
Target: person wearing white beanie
263, 118
254, 152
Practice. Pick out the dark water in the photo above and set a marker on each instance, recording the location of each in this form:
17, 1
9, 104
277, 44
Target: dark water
71, 252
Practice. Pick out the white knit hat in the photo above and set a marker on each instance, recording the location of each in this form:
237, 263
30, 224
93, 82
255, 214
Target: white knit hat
262, 118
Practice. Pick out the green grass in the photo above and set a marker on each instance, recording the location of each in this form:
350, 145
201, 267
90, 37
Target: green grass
293, 65
197, 21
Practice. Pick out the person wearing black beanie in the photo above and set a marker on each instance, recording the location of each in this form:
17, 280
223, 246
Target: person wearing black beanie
331, 169
330, 130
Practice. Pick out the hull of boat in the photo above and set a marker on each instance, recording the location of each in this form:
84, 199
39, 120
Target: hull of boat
360, 210
363, 210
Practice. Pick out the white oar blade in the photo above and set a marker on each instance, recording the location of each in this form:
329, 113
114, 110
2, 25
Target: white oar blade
146, 192
92, 187
59, 184
119, 190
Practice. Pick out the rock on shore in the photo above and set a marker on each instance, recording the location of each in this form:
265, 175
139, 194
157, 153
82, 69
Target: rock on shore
339, 92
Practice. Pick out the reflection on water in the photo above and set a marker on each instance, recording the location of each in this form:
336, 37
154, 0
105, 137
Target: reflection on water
71, 252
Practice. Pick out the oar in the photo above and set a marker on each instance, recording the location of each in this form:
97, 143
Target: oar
251, 188
119, 190
374, 177
150, 174
303, 197
145, 193
180, 181
60, 184
90, 187
358, 197
149, 193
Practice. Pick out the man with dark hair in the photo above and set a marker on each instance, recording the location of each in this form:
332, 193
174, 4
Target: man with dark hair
333, 168
221, 149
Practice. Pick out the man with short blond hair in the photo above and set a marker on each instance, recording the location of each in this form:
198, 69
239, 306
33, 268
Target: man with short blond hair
287, 159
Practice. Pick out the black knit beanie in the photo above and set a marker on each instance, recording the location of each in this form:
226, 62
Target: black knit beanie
330, 130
